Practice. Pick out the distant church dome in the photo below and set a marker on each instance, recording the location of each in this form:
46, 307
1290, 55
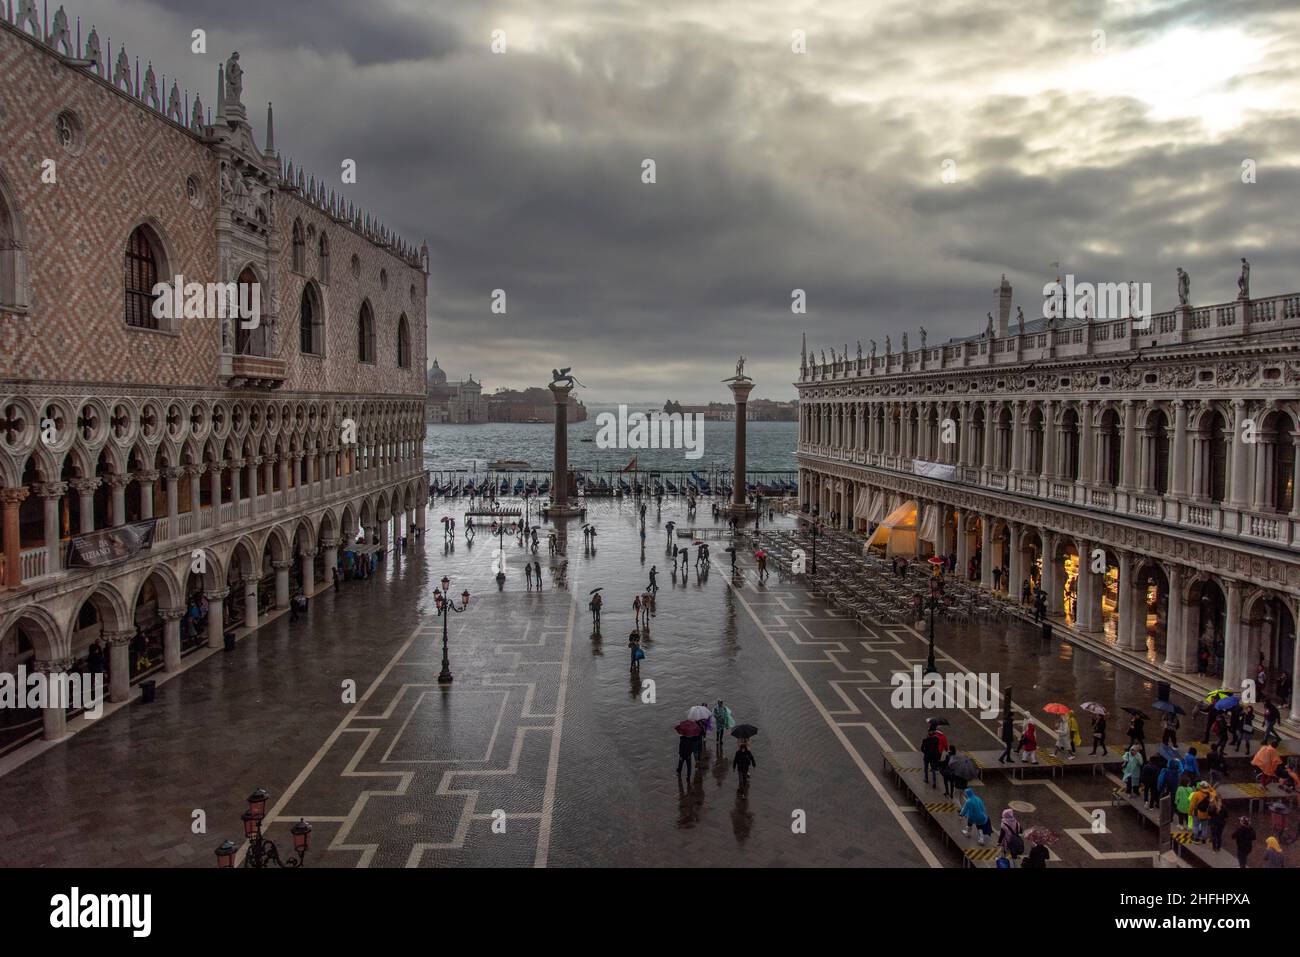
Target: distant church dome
435, 376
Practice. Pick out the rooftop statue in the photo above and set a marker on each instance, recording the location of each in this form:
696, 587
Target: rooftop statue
562, 377
234, 79
1184, 287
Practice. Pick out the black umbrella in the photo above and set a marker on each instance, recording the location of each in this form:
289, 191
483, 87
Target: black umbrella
1137, 713
936, 722
1167, 706
594, 590
744, 731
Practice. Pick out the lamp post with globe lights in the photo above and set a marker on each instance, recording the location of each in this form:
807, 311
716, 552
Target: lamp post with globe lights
444, 603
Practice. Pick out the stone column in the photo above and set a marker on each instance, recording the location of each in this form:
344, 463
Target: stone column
11, 499
1086, 446
560, 473
285, 461
282, 583
214, 491
216, 617
1235, 667
1087, 598
54, 720
1126, 627
147, 480
986, 548
307, 568
172, 474
1016, 565
1238, 492
383, 535
196, 495
85, 489
119, 651
51, 494
1051, 583
117, 485
1049, 442
1261, 497
236, 467
990, 431
268, 479
253, 461
740, 389
1175, 622
1178, 453
1295, 664
331, 546
1017, 439
250, 601
1128, 452
963, 545
171, 637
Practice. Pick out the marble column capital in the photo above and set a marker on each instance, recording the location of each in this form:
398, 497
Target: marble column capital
85, 485
50, 489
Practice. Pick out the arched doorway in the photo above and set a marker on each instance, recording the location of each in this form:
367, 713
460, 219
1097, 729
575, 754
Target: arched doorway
1208, 616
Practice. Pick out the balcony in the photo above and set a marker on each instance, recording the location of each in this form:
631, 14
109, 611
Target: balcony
252, 372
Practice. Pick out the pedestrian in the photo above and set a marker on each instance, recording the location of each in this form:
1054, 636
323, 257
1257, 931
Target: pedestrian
1029, 743
1247, 730
595, 609
1198, 811
1137, 733
743, 762
654, 579
722, 720
1132, 770
336, 577
1025, 592
95, 658
1010, 840
1271, 718
685, 751
952, 783
1190, 764
1273, 853
1167, 781
1063, 739
1038, 857
973, 813
528, 574
1244, 838
634, 648
537, 573
1149, 777
636, 609
1218, 821
1099, 734
1219, 729
1076, 738
1008, 737
997, 578
1170, 725
930, 755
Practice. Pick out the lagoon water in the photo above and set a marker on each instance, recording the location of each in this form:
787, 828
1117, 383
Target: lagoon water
771, 447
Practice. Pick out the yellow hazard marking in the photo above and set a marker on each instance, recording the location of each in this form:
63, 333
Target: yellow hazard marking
941, 807
1183, 837
981, 853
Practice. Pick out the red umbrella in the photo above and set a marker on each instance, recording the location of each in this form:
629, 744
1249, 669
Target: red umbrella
1055, 708
936, 560
688, 729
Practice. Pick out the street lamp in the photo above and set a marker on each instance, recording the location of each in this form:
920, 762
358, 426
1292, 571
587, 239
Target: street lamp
443, 601
261, 851
932, 604
812, 529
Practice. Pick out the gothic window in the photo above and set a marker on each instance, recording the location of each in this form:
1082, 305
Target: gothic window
13, 259
249, 342
299, 247
403, 343
1217, 440
1070, 446
324, 271
366, 334
143, 253
311, 324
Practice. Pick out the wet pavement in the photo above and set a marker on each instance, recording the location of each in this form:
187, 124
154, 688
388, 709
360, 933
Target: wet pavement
547, 750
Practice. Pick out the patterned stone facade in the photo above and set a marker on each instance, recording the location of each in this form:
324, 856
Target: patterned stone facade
261, 454
1144, 474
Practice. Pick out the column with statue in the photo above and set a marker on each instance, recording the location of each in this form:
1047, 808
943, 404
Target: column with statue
741, 385
562, 384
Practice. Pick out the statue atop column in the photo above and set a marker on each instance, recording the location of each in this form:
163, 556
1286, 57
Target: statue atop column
562, 379
740, 367
873, 350
1020, 320
988, 330
234, 80
1243, 281
1184, 287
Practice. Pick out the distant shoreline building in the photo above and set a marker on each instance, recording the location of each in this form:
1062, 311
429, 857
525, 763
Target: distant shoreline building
757, 410
463, 403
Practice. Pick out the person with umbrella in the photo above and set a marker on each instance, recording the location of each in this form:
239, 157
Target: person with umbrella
1010, 839
1169, 723
1038, 856
973, 813
689, 731
1063, 737
702, 716
1098, 725
743, 762
594, 605
930, 754
634, 647
1008, 736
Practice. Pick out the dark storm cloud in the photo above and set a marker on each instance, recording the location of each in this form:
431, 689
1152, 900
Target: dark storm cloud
775, 172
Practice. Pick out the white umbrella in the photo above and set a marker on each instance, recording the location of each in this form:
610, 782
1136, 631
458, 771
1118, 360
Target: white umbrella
699, 713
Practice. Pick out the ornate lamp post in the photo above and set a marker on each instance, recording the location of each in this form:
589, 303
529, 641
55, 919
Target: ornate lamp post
812, 528
932, 605
261, 851
443, 601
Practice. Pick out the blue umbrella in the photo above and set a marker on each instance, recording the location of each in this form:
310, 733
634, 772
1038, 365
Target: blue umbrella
1168, 753
1228, 703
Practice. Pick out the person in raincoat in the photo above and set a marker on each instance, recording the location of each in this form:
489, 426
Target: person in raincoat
722, 720
1167, 782
1218, 821
1267, 759
1010, 841
1190, 764
1029, 743
1183, 802
973, 812
1132, 769
1062, 735
1149, 777
1244, 838
1076, 738
1198, 811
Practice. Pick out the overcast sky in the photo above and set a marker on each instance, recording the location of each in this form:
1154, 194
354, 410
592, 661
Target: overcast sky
775, 170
